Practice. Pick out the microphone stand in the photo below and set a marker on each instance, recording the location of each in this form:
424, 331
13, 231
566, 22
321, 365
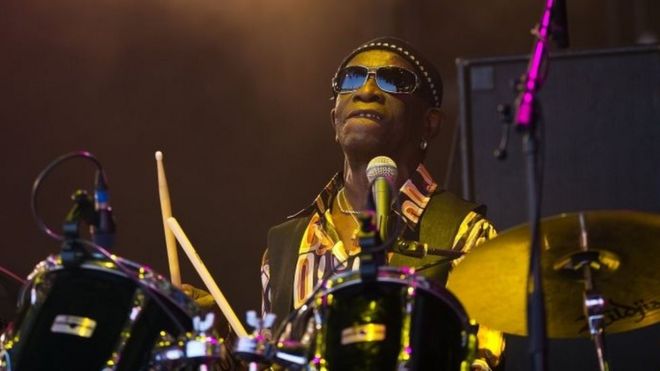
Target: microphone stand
526, 119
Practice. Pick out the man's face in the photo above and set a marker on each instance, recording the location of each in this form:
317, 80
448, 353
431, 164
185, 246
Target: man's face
370, 122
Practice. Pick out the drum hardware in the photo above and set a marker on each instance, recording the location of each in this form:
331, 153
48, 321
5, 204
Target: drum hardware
199, 348
406, 350
256, 349
72, 252
588, 262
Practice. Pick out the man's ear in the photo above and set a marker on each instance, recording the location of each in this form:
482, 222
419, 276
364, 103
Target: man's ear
433, 119
332, 118
333, 123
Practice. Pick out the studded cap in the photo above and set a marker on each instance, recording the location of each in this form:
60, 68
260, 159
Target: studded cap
431, 81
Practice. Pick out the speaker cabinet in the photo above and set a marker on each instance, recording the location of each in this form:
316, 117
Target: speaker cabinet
601, 128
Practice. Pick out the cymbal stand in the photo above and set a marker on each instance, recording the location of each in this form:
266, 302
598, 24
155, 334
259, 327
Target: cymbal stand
594, 307
594, 302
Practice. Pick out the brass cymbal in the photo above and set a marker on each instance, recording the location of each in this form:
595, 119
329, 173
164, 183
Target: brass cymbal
623, 245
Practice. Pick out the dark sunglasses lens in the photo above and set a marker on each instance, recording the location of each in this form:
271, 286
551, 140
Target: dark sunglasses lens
351, 78
395, 80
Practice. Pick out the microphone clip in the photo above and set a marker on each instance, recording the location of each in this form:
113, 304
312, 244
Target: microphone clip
420, 250
103, 228
82, 211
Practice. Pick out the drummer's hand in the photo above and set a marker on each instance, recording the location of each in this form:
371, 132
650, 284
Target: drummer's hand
202, 298
480, 364
491, 349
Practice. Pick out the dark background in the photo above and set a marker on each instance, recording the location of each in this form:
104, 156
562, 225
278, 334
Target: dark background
235, 93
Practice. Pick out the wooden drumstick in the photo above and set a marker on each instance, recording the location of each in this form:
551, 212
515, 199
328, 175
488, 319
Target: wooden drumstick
213, 288
166, 211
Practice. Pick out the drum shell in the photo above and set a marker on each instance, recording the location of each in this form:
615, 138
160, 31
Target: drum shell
397, 321
437, 334
128, 321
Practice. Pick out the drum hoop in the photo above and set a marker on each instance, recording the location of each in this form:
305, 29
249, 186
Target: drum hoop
148, 278
403, 276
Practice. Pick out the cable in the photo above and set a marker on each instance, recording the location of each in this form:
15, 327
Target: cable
42, 176
12, 275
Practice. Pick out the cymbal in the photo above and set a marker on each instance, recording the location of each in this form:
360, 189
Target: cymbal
625, 249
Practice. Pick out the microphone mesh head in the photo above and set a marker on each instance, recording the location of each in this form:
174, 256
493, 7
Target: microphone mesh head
382, 166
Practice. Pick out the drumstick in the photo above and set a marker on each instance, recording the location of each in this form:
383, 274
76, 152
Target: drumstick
166, 211
213, 288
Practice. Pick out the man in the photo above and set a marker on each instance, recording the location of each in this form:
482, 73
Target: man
387, 101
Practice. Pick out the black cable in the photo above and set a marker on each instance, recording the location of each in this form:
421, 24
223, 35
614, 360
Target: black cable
42, 176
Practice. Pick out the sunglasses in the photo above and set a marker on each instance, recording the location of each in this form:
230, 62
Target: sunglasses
389, 79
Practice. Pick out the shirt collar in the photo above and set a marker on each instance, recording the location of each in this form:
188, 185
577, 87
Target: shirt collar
415, 193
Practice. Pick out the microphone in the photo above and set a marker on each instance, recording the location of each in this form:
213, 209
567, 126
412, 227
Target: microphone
382, 174
103, 229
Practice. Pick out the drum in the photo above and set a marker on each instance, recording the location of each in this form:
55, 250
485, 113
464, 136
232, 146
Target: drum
94, 316
396, 321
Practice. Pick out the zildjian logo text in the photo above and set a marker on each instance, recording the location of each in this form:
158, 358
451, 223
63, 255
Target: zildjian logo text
616, 312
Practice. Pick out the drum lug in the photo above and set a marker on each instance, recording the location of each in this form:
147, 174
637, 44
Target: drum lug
199, 348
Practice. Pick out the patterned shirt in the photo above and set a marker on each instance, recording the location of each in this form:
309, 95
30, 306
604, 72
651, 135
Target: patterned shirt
322, 253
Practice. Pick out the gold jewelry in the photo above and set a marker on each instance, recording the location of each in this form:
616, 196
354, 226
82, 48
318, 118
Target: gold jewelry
349, 210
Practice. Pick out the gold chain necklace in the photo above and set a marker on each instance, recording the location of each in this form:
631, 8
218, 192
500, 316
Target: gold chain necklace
348, 210
341, 197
